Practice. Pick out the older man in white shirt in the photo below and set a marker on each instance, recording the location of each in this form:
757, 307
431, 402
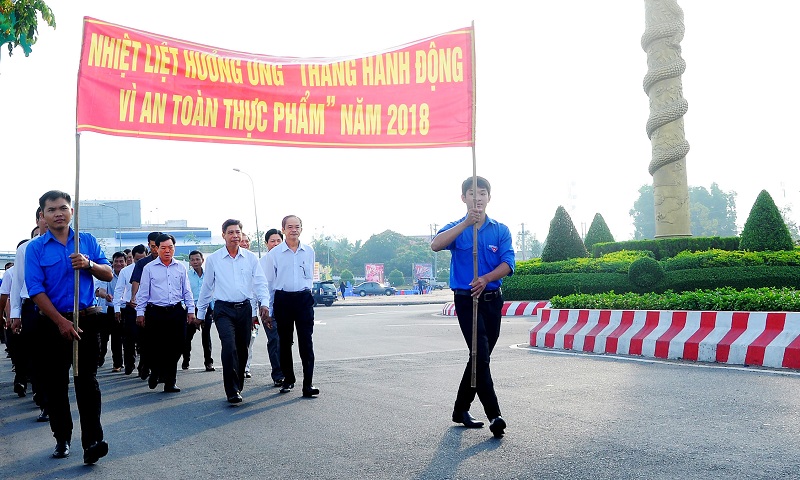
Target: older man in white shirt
232, 276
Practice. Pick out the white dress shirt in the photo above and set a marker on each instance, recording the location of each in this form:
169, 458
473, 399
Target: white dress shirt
122, 292
288, 270
18, 289
232, 279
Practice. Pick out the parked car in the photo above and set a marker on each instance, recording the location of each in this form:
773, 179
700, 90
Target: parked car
373, 288
434, 284
325, 292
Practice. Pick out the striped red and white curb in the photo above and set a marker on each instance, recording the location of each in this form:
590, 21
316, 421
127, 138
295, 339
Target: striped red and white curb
769, 339
509, 308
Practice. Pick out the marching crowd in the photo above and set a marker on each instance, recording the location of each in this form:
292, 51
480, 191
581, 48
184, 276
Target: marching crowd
148, 306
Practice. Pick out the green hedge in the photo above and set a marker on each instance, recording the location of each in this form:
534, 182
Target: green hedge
668, 247
543, 287
616, 262
722, 258
722, 299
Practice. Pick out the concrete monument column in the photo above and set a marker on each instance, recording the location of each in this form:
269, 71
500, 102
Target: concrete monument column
661, 41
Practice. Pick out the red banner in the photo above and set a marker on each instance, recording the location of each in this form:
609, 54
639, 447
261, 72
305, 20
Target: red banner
138, 84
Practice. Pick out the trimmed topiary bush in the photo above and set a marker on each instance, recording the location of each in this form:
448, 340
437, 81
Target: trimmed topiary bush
563, 241
765, 228
645, 272
598, 232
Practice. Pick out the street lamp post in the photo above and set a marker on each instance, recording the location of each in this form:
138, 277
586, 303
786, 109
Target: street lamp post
119, 223
255, 209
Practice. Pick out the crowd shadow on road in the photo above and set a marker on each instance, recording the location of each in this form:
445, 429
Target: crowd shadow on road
451, 452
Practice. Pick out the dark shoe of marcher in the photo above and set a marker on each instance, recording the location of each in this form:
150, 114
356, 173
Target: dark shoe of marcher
236, 398
20, 389
210, 368
95, 452
185, 366
247, 375
171, 389
128, 369
310, 392
43, 416
62, 449
144, 373
101, 361
152, 382
287, 387
498, 427
468, 420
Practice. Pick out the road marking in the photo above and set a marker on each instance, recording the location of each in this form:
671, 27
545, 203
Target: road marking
678, 363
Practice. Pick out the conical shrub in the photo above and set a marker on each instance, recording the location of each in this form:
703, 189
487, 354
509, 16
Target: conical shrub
563, 241
598, 232
765, 228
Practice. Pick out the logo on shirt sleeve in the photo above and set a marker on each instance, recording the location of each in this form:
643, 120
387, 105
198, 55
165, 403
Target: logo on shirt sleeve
493, 248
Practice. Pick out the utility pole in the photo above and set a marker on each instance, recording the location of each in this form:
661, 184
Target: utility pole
523, 241
434, 227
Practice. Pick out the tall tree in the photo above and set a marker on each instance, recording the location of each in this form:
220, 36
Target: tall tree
19, 23
713, 212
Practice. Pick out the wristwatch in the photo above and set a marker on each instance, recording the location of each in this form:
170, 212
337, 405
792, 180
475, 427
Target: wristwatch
91, 265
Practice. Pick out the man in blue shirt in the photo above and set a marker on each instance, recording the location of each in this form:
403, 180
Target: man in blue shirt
50, 263
495, 261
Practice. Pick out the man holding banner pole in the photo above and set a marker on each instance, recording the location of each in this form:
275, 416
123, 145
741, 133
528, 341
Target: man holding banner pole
495, 260
49, 271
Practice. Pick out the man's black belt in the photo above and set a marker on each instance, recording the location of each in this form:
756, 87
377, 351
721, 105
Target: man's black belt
242, 304
486, 295
166, 308
293, 294
81, 313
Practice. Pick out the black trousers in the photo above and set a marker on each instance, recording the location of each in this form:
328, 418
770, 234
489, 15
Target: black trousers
292, 309
205, 335
130, 336
489, 316
53, 361
24, 347
113, 331
234, 322
165, 328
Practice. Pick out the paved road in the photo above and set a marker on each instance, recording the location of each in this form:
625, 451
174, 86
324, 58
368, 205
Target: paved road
388, 376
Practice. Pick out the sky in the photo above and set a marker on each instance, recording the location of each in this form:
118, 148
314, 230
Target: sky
560, 118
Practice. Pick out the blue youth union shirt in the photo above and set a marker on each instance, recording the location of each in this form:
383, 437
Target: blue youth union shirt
494, 248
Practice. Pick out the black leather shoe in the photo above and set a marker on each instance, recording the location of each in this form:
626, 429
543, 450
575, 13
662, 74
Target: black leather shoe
171, 389
468, 420
310, 392
43, 416
20, 389
247, 375
287, 387
210, 368
128, 369
498, 427
237, 398
152, 382
62, 449
144, 373
278, 383
185, 366
95, 452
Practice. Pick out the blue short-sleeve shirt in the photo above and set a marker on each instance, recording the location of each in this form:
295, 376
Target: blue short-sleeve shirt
48, 269
494, 248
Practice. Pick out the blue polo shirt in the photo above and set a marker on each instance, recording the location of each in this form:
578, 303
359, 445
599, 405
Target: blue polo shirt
48, 269
494, 248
